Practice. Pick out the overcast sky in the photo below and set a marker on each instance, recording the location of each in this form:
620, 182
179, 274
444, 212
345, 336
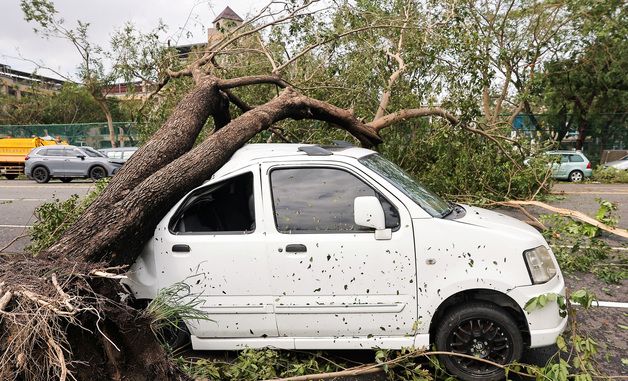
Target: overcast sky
17, 38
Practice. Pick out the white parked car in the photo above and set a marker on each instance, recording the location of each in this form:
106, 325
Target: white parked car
310, 247
618, 164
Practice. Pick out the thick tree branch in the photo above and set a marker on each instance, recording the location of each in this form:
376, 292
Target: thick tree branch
402, 115
236, 100
252, 80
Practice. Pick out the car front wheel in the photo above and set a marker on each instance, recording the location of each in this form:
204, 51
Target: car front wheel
576, 176
41, 175
97, 173
478, 330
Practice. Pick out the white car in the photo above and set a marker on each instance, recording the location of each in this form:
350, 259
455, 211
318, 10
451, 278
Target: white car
310, 247
618, 164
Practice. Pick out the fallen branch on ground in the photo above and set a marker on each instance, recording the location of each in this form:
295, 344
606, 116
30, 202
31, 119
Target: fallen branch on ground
567, 212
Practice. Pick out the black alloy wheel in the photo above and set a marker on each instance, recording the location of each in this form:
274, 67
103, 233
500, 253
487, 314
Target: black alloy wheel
481, 330
41, 175
97, 173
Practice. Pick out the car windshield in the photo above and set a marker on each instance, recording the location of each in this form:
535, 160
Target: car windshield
92, 152
426, 199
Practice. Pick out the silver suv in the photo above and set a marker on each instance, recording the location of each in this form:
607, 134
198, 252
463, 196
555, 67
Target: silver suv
68, 162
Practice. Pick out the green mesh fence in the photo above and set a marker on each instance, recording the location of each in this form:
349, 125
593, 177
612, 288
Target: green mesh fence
81, 134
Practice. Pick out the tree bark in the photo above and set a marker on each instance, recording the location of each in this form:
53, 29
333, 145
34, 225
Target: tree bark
102, 103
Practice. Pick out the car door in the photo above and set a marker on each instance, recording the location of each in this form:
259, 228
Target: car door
74, 162
55, 161
330, 277
215, 243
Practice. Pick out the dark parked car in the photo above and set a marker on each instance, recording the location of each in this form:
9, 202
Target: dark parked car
68, 162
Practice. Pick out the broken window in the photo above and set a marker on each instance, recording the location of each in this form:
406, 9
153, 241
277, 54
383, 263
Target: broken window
227, 206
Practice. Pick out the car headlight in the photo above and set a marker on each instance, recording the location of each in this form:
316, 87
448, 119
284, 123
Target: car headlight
540, 264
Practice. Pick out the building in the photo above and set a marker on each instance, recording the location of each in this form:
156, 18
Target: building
16, 83
225, 21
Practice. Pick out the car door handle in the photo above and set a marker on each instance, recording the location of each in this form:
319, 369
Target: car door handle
180, 248
296, 248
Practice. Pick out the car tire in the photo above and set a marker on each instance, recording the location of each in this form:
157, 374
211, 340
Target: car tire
41, 174
482, 330
576, 176
11, 176
97, 172
66, 179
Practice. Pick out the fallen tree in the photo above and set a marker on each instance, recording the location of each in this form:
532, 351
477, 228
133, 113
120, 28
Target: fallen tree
61, 312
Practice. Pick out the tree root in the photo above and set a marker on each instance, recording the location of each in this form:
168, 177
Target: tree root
45, 314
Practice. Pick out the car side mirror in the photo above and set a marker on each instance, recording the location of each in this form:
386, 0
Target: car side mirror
82, 157
368, 212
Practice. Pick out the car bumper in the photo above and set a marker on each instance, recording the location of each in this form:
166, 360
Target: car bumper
544, 324
587, 172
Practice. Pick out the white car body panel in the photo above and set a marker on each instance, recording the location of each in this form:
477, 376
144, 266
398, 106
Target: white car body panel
348, 291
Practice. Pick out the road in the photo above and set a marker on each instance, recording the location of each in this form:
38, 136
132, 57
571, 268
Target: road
19, 198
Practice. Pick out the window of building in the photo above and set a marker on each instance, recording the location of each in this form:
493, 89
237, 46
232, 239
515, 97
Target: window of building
321, 199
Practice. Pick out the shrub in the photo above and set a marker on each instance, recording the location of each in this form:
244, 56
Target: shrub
610, 175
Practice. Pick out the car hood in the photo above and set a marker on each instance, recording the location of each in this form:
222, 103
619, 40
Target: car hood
496, 221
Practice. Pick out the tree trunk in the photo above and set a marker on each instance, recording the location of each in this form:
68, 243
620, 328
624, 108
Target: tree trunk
583, 129
102, 102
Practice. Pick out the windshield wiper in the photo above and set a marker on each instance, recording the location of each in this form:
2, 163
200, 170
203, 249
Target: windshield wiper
448, 211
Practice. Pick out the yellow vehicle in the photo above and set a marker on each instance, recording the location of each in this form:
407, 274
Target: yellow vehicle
13, 152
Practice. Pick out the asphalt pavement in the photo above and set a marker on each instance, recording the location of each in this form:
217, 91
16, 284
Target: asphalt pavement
20, 198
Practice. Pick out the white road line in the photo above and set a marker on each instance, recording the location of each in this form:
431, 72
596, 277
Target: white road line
16, 226
617, 248
612, 304
86, 186
24, 199
606, 304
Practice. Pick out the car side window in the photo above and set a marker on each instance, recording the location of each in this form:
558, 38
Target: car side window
321, 199
43, 152
227, 206
71, 152
55, 152
576, 159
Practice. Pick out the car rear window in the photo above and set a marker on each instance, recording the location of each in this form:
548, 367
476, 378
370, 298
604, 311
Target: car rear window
576, 159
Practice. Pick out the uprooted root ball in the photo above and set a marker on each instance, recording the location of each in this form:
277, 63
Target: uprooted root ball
63, 320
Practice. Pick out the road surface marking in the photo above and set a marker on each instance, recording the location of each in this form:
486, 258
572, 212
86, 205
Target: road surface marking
48, 186
16, 226
558, 193
606, 304
616, 248
23, 199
